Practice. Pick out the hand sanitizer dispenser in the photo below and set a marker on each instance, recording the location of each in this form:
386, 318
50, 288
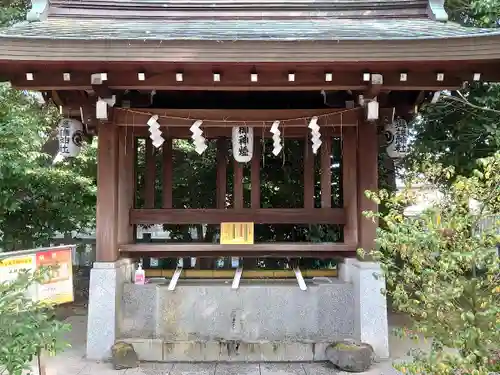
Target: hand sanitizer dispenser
140, 275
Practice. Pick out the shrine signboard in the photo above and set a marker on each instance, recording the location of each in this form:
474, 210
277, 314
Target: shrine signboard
236, 233
57, 286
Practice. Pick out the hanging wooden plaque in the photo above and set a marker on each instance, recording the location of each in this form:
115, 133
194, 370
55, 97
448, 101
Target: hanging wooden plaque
236, 234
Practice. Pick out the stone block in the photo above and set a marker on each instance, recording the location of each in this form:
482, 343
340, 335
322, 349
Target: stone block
191, 351
105, 292
210, 311
286, 352
194, 369
138, 306
147, 349
321, 368
281, 369
200, 318
240, 369
370, 307
350, 356
319, 351
124, 356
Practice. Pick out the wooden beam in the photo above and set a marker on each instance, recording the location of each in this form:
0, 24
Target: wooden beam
255, 174
238, 79
107, 194
247, 273
102, 91
349, 185
367, 159
238, 199
126, 192
258, 216
326, 172
308, 174
374, 87
150, 175
168, 178
302, 249
227, 118
221, 187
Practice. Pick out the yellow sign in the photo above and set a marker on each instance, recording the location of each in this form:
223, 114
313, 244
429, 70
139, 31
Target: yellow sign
17, 262
57, 287
236, 233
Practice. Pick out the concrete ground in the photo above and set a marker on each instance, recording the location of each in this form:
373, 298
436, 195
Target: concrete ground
73, 362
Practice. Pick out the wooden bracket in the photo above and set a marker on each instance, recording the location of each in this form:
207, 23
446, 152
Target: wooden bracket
88, 115
102, 91
375, 86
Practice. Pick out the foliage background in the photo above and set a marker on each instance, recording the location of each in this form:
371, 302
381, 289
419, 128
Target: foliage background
443, 273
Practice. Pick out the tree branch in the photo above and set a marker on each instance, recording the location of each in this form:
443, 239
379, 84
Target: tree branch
463, 100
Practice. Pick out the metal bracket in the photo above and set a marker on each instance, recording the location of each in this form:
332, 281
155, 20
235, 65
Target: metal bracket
237, 277
300, 278
175, 278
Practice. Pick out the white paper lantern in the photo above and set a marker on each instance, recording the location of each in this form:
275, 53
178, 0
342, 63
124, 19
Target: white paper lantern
242, 143
70, 137
396, 135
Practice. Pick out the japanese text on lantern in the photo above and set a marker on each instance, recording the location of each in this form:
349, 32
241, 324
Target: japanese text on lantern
64, 137
401, 136
243, 141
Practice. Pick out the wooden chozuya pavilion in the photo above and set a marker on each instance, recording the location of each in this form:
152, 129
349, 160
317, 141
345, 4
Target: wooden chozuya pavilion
328, 70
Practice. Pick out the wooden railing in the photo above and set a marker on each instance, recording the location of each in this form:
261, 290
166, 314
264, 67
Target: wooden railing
270, 249
257, 216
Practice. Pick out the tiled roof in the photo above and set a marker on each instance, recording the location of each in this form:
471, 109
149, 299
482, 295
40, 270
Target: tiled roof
152, 7
246, 30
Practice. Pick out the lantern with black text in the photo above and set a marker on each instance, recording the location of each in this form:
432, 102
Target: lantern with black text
396, 135
70, 137
242, 143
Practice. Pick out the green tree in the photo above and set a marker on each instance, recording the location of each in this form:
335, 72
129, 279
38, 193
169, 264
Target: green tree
459, 129
463, 126
27, 327
443, 272
13, 10
38, 199
481, 13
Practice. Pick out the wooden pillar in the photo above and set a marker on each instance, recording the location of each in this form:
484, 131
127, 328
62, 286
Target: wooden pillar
221, 187
107, 193
150, 175
308, 174
238, 185
349, 184
126, 184
367, 180
326, 173
255, 174
168, 177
